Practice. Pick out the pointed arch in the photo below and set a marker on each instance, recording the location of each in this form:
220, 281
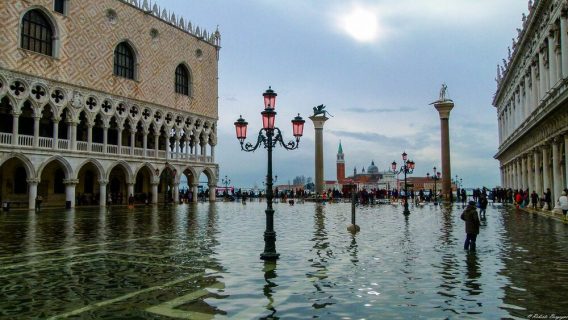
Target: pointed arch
30, 170
209, 173
67, 169
94, 162
125, 166
39, 32
146, 165
183, 80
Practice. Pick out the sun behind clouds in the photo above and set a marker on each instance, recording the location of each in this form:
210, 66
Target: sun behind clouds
361, 23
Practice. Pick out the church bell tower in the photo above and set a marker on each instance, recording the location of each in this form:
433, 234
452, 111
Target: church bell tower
340, 164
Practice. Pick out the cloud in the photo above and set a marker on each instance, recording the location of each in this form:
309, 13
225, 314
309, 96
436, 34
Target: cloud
370, 137
379, 110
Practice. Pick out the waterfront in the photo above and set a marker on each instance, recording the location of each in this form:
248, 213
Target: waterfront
203, 261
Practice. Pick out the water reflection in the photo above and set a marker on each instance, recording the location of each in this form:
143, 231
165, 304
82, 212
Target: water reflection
473, 274
270, 275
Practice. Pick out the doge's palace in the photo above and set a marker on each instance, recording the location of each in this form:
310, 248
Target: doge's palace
104, 100
532, 102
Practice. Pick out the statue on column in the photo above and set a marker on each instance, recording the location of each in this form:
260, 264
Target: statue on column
321, 110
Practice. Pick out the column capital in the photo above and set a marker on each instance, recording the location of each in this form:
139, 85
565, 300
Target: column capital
103, 182
33, 181
194, 185
444, 108
71, 181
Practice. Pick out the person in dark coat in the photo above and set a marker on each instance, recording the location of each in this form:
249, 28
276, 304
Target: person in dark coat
483, 205
472, 223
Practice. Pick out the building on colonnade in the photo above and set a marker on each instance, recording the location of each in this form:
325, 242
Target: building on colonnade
532, 102
104, 97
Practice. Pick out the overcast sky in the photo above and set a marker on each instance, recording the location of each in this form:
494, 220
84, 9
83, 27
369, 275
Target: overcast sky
376, 65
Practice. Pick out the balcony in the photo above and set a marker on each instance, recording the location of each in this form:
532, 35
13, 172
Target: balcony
26, 142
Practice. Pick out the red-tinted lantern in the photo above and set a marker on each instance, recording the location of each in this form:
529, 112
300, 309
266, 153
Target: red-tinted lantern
411, 164
269, 98
298, 126
268, 119
439, 175
241, 127
393, 166
404, 156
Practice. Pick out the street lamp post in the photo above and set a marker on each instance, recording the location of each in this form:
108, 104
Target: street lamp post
435, 177
226, 181
406, 168
269, 137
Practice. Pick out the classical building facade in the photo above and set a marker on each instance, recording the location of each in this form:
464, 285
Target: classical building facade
532, 102
104, 99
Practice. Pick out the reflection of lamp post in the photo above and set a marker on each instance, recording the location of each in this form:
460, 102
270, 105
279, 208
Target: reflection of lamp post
406, 168
269, 136
226, 181
435, 177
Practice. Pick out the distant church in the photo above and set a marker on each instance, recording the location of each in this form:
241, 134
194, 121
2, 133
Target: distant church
371, 179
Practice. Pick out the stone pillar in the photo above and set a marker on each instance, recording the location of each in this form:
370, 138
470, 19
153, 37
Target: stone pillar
556, 172
552, 68
55, 134
120, 128
132, 140
537, 177
545, 169
156, 144
524, 180
515, 175
90, 136
105, 138
145, 141
32, 193
70, 185
15, 128
212, 153
319, 122
564, 44
175, 193
36, 130
444, 107
102, 192
528, 94
155, 192
176, 148
73, 141
530, 167
566, 160
541, 75
212, 195
534, 86
194, 191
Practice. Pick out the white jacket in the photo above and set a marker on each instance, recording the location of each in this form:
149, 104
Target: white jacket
563, 200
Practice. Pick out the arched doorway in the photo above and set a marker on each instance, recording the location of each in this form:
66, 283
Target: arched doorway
88, 189
207, 179
46, 126
187, 183
166, 187
14, 174
143, 185
52, 187
118, 187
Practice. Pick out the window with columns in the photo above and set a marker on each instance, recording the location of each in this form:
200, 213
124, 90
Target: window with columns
37, 33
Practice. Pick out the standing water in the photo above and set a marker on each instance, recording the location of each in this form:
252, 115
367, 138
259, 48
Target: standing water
203, 262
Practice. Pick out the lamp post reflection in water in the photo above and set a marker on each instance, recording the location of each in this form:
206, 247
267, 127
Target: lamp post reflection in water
268, 289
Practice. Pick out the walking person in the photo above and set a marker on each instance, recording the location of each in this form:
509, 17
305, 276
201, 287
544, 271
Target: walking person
563, 201
548, 199
534, 199
472, 223
483, 205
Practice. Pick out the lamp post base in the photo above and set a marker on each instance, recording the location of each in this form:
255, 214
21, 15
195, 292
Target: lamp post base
353, 228
406, 212
269, 256
269, 247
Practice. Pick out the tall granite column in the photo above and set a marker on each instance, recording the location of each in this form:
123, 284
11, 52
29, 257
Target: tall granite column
319, 121
444, 107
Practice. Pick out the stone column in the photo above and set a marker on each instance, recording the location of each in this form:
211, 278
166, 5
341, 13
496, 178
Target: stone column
155, 192
566, 159
32, 192
55, 134
212, 153
537, 178
515, 175
73, 141
105, 137
319, 122
175, 194
545, 169
444, 107
102, 192
556, 172
15, 128
90, 126
194, 191
552, 68
70, 185
156, 144
145, 141
534, 86
528, 94
176, 148
212, 196
541, 75
564, 43
524, 181
530, 167
132, 140
36, 130
119, 133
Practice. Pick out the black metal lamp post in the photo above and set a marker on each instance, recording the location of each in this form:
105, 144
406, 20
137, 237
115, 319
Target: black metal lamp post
226, 181
407, 168
269, 136
436, 176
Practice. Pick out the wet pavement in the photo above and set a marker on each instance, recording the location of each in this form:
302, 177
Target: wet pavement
202, 261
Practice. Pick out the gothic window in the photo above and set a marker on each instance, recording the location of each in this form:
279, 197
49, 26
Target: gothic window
124, 61
37, 33
182, 80
59, 6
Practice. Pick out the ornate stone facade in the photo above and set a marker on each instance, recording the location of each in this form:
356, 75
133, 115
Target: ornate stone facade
532, 102
68, 120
